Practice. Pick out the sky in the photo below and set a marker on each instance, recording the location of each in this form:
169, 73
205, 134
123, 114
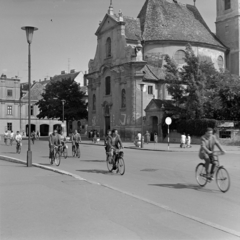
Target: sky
65, 38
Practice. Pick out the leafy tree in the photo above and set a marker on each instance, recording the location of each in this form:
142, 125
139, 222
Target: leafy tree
50, 105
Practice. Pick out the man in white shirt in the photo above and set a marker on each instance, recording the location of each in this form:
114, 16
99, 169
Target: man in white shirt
183, 141
18, 137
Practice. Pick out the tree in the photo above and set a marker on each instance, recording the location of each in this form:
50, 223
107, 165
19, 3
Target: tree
50, 105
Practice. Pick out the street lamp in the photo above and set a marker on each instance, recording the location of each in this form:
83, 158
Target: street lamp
63, 103
142, 85
29, 33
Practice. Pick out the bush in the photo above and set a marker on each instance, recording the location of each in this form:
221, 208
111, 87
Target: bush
196, 127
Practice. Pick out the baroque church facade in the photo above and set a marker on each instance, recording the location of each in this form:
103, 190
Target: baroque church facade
130, 51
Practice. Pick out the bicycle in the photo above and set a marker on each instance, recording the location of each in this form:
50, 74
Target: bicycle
56, 155
18, 147
221, 174
119, 161
76, 150
64, 151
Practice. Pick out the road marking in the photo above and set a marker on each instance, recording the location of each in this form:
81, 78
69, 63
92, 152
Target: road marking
196, 219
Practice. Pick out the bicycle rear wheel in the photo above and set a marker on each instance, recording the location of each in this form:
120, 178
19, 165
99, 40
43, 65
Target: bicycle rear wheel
109, 163
65, 153
223, 179
121, 166
200, 174
57, 158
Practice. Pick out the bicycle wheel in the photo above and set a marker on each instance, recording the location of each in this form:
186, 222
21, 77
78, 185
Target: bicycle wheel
223, 179
57, 158
65, 153
19, 149
121, 166
73, 151
200, 174
109, 163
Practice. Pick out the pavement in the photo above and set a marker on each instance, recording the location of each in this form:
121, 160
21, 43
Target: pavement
56, 204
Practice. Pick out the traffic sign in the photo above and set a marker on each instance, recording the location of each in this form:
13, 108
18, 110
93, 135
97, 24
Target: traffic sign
168, 120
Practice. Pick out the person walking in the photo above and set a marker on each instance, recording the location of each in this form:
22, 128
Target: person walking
183, 141
147, 137
38, 135
33, 136
11, 137
155, 138
188, 141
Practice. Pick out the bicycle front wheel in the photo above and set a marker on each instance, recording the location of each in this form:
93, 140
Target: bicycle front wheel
109, 163
200, 174
223, 179
57, 158
121, 166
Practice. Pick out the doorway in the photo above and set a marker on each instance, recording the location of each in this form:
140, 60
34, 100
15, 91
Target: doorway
107, 123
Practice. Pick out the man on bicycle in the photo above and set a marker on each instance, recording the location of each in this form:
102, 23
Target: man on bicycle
54, 140
76, 138
18, 138
108, 143
207, 149
116, 144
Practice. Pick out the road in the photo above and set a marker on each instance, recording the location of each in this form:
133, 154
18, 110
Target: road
164, 180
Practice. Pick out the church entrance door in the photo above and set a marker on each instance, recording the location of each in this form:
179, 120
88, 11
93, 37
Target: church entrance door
154, 127
107, 123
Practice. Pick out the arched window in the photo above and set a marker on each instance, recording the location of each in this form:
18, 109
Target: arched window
108, 48
108, 85
179, 57
94, 102
220, 62
123, 98
227, 4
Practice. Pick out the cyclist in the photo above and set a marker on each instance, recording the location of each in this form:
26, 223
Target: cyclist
76, 138
5, 137
63, 140
108, 143
54, 140
207, 149
18, 139
116, 144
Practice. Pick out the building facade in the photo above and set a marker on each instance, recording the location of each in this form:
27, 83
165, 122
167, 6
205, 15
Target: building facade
130, 51
9, 104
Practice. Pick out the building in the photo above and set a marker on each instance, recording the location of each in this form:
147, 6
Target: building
10, 104
228, 31
131, 51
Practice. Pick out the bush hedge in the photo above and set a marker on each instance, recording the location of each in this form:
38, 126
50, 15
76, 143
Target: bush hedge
196, 127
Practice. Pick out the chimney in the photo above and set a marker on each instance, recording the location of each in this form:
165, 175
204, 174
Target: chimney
72, 71
62, 72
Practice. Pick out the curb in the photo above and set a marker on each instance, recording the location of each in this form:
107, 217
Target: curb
196, 219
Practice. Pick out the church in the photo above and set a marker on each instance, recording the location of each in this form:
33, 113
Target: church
131, 50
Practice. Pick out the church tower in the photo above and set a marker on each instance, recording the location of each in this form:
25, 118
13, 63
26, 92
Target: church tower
228, 31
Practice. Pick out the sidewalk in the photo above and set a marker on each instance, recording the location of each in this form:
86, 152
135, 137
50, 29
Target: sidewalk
173, 147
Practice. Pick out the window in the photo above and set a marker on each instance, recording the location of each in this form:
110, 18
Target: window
9, 93
108, 85
108, 48
9, 110
94, 102
220, 62
227, 4
32, 110
179, 57
150, 89
225, 134
123, 98
9, 126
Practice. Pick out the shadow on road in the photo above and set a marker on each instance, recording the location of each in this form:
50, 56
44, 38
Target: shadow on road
184, 186
95, 171
45, 164
93, 160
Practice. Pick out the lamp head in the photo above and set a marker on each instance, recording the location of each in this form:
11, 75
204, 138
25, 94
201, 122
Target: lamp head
29, 32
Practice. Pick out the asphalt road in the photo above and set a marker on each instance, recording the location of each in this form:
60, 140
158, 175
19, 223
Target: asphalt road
164, 180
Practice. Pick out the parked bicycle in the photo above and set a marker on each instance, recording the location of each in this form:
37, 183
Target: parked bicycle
56, 155
221, 174
76, 150
119, 161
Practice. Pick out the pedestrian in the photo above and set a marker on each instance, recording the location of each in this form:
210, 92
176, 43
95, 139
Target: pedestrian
188, 141
147, 137
11, 137
33, 136
183, 141
94, 136
38, 135
5, 137
155, 138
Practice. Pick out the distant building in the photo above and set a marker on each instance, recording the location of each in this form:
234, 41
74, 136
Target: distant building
131, 51
9, 104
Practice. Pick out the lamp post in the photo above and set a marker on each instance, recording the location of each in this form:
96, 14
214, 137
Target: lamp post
63, 103
29, 33
142, 85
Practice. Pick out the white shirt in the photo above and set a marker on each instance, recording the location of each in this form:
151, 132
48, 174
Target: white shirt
18, 137
12, 135
139, 136
183, 138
